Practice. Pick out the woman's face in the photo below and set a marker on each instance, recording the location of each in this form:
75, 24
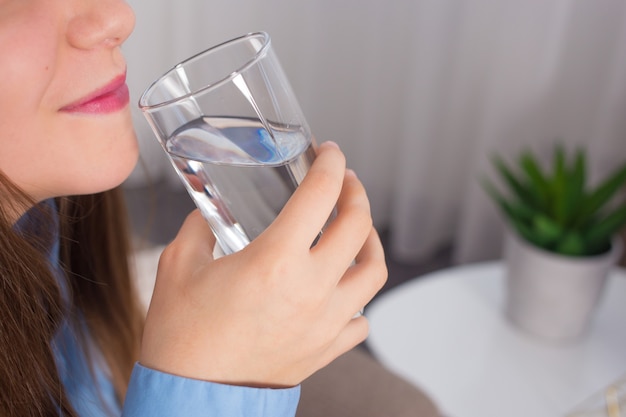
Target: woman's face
65, 123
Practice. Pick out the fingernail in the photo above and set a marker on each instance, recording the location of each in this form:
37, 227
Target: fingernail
350, 172
330, 144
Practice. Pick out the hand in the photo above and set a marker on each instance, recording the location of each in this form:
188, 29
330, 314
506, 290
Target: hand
275, 312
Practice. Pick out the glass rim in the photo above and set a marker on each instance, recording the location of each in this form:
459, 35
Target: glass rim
253, 59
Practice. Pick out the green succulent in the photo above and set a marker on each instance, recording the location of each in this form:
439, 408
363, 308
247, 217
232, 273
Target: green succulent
556, 210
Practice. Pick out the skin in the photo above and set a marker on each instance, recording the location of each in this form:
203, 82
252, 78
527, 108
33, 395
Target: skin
55, 53
269, 315
295, 305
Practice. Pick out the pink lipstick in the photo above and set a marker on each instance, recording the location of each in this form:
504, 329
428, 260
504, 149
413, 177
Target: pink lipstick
112, 97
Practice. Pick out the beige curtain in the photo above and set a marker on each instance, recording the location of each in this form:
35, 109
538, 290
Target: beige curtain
420, 92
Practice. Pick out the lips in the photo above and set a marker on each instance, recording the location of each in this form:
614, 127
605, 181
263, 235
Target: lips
112, 97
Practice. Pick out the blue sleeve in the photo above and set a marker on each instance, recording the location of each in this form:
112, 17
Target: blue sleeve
157, 394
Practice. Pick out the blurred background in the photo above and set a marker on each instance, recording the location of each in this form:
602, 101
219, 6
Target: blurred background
418, 93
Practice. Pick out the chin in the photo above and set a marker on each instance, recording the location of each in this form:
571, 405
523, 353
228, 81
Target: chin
115, 175
111, 172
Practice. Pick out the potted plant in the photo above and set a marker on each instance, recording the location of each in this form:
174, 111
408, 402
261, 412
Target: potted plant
562, 240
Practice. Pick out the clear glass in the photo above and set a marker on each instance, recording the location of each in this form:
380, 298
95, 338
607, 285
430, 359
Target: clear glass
232, 128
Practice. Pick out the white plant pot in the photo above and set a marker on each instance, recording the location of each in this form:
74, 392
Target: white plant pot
554, 296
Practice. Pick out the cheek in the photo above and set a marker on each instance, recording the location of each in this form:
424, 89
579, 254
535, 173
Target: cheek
29, 49
27, 155
28, 45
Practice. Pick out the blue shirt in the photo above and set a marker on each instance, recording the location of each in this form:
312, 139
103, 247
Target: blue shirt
150, 392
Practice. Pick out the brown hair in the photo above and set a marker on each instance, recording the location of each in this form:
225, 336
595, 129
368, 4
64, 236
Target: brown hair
94, 252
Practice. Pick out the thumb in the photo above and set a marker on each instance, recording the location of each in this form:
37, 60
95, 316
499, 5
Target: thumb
195, 239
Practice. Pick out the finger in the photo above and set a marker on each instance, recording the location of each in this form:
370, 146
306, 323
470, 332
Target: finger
194, 239
350, 228
309, 207
364, 279
355, 332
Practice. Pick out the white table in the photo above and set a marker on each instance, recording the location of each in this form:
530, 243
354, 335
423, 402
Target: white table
446, 333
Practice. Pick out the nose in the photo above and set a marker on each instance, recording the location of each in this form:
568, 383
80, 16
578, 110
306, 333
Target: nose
100, 23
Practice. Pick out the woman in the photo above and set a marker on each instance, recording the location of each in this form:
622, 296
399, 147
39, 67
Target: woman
233, 336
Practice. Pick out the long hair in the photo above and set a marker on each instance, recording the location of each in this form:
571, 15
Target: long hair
95, 249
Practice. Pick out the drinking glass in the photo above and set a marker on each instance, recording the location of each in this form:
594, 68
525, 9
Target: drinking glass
232, 128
